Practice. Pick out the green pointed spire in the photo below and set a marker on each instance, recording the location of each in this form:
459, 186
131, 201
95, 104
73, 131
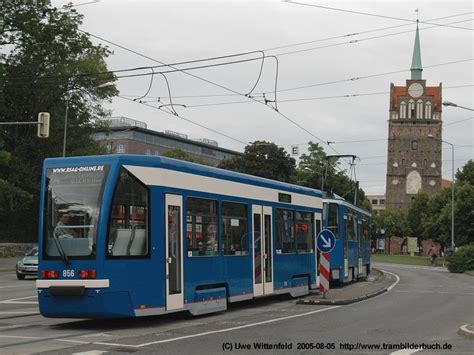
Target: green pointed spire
416, 67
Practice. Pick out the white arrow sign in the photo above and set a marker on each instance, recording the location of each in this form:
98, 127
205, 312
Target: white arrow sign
326, 242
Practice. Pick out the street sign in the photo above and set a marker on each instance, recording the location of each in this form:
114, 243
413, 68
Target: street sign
326, 241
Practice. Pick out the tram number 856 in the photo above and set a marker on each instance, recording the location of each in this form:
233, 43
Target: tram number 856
68, 273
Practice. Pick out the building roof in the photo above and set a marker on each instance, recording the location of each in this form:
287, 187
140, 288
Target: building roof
174, 137
416, 67
434, 91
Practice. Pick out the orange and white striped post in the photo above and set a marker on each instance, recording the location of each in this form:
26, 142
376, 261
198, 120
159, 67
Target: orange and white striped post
324, 273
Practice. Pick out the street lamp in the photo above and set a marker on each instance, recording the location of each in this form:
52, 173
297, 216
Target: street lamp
452, 186
449, 103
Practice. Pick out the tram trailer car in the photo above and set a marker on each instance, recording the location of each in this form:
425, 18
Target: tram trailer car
131, 235
350, 258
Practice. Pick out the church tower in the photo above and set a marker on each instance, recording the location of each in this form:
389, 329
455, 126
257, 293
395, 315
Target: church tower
414, 159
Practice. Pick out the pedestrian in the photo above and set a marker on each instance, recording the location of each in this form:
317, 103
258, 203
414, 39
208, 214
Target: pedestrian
433, 253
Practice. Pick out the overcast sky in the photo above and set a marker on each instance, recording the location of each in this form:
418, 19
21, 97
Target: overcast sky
177, 31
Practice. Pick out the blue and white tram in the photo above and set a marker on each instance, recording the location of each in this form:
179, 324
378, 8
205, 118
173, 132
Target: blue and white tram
350, 258
127, 236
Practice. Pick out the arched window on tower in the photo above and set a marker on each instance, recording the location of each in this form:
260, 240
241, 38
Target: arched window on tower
403, 109
419, 109
411, 109
428, 110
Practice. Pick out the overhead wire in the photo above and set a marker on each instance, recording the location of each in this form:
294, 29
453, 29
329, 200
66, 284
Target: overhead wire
207, 81
361, 32
190, 121
357, 40
373, 14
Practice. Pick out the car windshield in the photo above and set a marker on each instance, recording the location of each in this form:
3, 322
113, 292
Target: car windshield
72, 204
32, 252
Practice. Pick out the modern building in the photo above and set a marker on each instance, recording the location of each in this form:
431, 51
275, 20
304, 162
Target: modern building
128, 136
377, 202
414, 159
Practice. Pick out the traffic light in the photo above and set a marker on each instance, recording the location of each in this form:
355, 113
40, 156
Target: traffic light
43, 125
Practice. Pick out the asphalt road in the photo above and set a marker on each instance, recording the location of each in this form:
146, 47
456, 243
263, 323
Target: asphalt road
428, 305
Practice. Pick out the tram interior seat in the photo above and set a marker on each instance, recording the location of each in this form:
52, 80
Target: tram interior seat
125, 245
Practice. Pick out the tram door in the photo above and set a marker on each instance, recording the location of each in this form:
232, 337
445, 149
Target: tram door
174, 251
262, 238
317, 253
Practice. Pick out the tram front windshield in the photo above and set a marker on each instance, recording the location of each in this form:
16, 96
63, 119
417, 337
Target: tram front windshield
71, 212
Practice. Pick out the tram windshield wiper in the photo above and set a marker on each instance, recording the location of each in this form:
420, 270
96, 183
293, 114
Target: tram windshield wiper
61, 250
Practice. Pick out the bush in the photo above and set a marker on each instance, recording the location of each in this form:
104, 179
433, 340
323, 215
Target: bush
462, 259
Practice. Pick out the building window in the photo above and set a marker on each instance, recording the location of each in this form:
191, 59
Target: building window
120, 148
234, 228
148, 151
374, 202
411, 109
201, 227
414, 145
403, 162
428, 110
403, 109
109, 148
382, 202
419, 109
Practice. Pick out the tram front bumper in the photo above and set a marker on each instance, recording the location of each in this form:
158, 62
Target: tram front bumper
82, 299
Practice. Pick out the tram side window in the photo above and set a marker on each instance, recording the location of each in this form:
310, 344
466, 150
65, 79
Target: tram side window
351, 227
365, 234
234, 228
285, 231
201, 227
333, 219
128, 226
304, 231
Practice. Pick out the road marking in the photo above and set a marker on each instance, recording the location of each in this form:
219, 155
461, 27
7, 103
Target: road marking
16, 286
18, 300
404, 352
218, 331
18, 337
92, 352
395, 283
17, 312
72, 341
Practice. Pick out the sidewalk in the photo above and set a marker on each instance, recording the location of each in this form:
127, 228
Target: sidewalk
376, 284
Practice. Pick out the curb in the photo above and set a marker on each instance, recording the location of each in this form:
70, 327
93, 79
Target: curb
342, 302
347, 301
466, 332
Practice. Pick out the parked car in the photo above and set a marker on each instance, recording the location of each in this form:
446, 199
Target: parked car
28, 264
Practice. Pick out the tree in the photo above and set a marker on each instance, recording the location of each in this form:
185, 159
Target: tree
47, 64
436, 221
314, 167
393, 221
263, 159
416, 213
466, 175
